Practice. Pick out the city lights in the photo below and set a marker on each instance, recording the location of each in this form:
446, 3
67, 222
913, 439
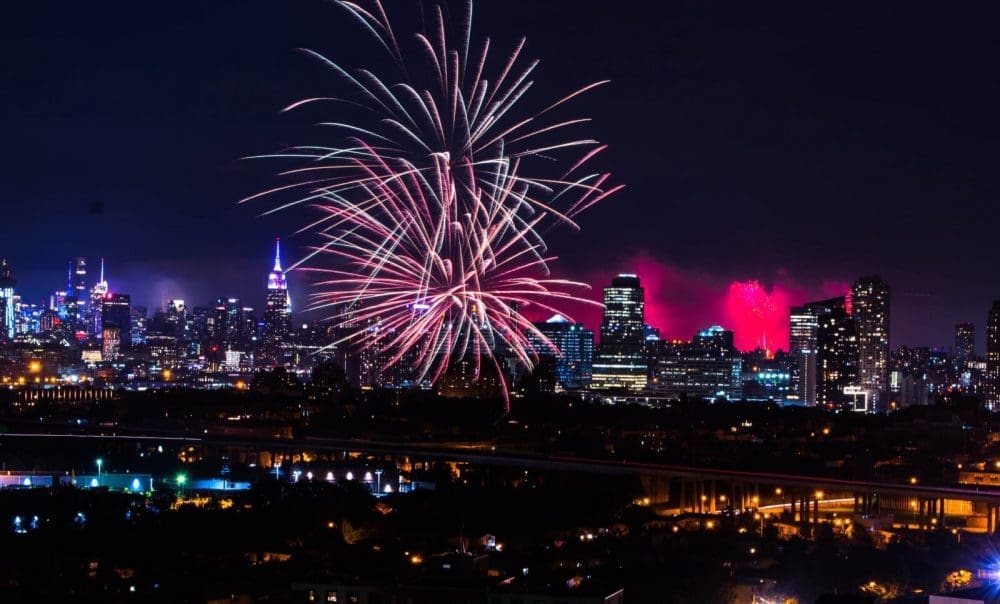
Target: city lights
400, 335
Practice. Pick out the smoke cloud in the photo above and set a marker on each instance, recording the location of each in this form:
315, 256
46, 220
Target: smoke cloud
682, 301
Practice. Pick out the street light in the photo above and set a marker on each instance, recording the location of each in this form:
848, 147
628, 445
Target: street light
100, 462
378, 481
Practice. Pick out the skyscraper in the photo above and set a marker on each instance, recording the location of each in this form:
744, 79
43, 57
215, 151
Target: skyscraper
116, 314
7, 315
574, 363
829, 330
802, 343
225, 323
78, 278
97, 293
137, 325
993, 357
870, 307
277, 313
965, 343
621, 359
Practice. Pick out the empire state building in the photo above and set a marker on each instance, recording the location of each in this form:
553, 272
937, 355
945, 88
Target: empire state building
277, 311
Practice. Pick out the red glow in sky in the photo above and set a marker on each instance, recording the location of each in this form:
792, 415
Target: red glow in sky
681, 302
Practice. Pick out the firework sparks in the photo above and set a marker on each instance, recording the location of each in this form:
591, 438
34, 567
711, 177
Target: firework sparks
432, 213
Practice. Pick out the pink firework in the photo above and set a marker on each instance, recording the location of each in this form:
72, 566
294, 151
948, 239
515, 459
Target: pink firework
433, 211
753, 314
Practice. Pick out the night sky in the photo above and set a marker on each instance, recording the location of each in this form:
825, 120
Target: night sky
798, 144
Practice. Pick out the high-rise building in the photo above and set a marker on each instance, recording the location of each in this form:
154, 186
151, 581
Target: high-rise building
201, 322
111, 341
7, 314
708, 367
802, 343
78, 279
138, 325
621, 359
965, 344
225, 326
575, 346
277, 313
97, 294
993, 357
116, 313
836, 349
870, 307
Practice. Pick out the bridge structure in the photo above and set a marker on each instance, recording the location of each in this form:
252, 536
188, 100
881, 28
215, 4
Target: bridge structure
685, 488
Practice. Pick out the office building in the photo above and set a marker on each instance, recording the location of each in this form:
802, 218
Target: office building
574, 350
7, 306
802, 348
836, 351
870, 307
965, 344
621, 359
116, 314
993, 356
708, 368
78, 279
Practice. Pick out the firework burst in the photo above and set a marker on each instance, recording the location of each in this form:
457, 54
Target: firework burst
433, 208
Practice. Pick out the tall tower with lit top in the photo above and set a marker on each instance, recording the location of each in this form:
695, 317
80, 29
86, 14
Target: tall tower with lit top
277, 313
97, 294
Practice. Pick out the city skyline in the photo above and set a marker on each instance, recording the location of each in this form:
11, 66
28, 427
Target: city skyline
205, 181
730, 309
447, 301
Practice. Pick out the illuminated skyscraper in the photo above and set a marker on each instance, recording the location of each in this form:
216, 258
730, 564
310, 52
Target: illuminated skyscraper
621, 359
97, 294
231, 324
804, 327
965, 344
277, 313
7, 314
870, 307
826, 328
111, 343
137, 325
993, 357
78, 278
574, 363
116, 314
